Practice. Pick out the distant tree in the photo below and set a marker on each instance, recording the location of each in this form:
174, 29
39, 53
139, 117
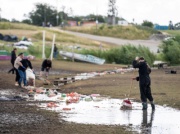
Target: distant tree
112, 12
101, 19
43, 14
14, 21
4, 20
75, 18
27, 21
147, 24
171, 50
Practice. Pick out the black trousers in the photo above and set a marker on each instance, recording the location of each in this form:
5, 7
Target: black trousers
145, 89
17, 75
13, 68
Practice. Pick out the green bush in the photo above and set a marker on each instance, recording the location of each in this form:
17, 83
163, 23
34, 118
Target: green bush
122, 55
35, 51
101, 27
171, 50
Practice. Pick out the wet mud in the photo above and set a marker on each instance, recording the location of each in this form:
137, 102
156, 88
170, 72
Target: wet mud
19, 114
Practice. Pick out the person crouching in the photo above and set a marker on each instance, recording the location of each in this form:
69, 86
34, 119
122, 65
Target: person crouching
46, 65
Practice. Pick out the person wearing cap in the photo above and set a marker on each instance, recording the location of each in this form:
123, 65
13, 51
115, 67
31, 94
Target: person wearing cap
46, 65
144, 81
13, 58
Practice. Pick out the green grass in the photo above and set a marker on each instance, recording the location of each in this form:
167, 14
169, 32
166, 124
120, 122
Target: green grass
35, 33
63, 40
9, 25
125, 32
172, 32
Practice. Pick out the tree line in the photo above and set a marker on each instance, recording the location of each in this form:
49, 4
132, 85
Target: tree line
44, 15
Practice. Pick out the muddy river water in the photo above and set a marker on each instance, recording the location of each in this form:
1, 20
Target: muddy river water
164, 120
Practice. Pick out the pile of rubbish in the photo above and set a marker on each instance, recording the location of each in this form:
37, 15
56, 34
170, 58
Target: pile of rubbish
10, 38
23, 44
43, 94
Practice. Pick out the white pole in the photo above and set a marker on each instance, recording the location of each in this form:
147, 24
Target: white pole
43, 47
73, 53
52, 49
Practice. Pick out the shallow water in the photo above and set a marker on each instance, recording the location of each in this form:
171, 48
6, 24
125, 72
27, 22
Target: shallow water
107, 112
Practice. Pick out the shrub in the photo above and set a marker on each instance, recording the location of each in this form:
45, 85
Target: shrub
123, 55
35, 51
171, 50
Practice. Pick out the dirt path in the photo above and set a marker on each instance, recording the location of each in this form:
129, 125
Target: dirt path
151, 44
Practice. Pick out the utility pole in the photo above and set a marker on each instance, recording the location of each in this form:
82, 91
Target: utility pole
44, 25
0, 14
96, 19
57, 16
112, 11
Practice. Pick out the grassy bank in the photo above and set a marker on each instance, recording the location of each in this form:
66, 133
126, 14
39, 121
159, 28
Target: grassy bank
124, 32
172, 32
35, 34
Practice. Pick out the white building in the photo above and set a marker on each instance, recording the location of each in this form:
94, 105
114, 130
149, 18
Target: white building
123, 22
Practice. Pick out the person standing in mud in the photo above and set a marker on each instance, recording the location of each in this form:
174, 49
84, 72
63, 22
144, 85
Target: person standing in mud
55, 53
17, 64
46, 65
28, 60
144, 81
13, 58
22, 69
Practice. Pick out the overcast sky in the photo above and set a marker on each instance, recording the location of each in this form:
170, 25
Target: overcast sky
156, 11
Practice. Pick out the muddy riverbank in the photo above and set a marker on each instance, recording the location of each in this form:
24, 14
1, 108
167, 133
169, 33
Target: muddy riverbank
20, 116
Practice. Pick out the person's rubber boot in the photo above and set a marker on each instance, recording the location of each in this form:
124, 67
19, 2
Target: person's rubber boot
152, 106
144, 104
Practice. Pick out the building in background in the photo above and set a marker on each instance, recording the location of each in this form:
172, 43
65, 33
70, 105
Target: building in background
122, 22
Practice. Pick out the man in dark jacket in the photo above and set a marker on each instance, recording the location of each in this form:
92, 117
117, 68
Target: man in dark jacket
144, 81
46, 65
13, 58
55, 52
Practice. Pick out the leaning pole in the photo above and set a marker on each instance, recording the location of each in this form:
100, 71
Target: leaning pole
52, 49
43, 46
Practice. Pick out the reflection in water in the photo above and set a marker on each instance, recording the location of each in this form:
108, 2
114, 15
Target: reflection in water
107, 112
147, 126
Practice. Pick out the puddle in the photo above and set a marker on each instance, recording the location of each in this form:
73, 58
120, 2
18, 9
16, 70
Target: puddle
107, 112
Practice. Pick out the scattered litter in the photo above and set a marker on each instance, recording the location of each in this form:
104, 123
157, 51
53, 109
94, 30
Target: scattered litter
84, 76
66, 109
126, 105
52, 104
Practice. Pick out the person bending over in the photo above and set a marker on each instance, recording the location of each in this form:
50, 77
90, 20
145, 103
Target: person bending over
46, 66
